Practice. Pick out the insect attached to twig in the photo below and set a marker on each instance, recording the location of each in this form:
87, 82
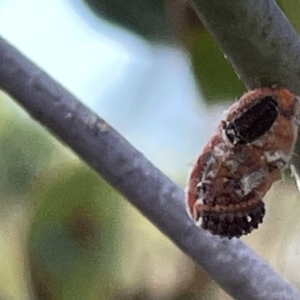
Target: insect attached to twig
247, 154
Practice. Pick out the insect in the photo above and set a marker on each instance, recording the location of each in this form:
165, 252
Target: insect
253, 144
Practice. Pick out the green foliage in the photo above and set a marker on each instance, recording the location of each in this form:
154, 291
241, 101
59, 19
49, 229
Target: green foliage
73, 236
146, 18
73, 214
292, 11
25, 150
213, 72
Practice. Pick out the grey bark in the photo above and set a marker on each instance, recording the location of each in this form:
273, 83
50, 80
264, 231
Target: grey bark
257, 39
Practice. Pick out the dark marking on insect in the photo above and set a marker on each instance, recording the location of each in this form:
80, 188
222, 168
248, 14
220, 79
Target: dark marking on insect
253, 122
234, 224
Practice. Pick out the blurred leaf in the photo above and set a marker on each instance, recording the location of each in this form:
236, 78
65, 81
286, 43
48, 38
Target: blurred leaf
292, 10
214, 74
146, 18
25, 149
73, 240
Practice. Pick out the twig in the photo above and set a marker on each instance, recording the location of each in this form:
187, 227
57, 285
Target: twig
257, 39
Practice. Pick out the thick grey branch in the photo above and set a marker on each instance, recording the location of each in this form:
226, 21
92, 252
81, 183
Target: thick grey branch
257, 39
233, 265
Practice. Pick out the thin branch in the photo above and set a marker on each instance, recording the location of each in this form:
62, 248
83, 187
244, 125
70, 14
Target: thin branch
241, 272
257, 39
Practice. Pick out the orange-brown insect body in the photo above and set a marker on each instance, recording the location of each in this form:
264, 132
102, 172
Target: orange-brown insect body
241, 161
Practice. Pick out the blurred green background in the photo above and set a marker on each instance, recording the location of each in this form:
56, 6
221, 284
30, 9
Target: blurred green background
66, 234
